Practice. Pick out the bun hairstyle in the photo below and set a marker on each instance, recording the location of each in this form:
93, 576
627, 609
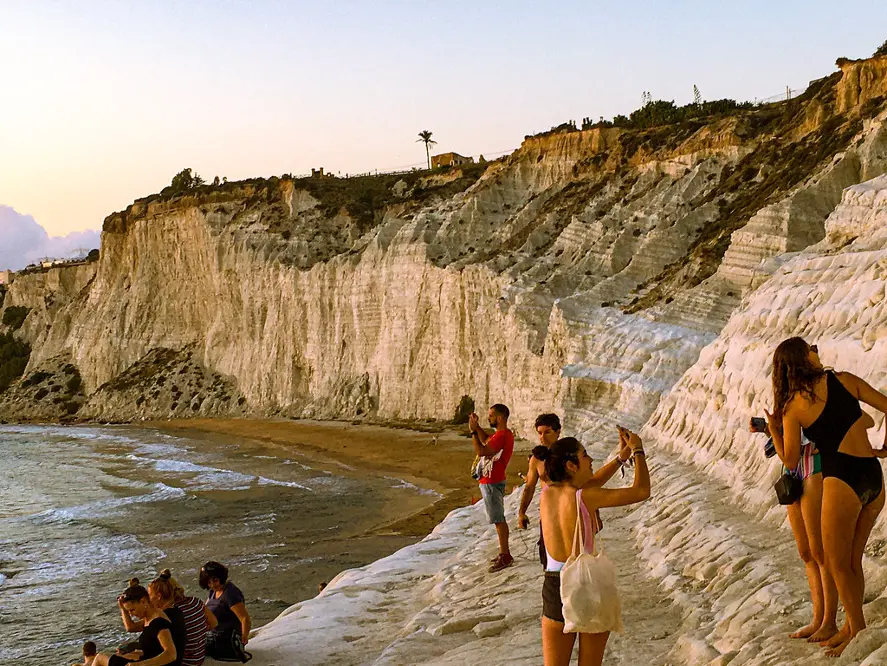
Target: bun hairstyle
133, 582
178, 590
135, 593
556, 458
212, 570
164, 585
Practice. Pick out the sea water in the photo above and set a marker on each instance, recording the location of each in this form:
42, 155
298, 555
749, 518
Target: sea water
84, 509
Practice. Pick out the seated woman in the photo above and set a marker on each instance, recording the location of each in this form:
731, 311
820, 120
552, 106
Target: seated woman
199, 620
569, 470
156, 646
226, 602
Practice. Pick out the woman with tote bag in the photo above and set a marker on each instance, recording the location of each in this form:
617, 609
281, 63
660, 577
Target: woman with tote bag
579, 595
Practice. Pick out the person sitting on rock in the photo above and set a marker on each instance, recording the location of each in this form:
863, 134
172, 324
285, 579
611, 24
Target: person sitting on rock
227, 603
548, 427
495, 451
156, 646
89, 653
198, 620
569, 471
161, 594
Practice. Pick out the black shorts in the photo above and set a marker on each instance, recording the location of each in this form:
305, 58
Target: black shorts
117, 660
552, 606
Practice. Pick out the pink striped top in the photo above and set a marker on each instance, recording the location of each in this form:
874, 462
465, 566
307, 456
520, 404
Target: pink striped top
195, 631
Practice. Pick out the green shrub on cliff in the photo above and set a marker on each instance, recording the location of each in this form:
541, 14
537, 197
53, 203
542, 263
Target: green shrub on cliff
184, 181
14, 316
655, 113
463, 410
882, 50
14, 355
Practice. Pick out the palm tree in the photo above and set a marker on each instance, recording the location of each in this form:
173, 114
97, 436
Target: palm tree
425, 135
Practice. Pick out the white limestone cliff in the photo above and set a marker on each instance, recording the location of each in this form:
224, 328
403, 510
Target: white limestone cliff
637, 277
707, 575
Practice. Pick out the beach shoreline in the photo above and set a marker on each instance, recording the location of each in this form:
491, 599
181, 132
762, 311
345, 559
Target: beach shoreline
436, 458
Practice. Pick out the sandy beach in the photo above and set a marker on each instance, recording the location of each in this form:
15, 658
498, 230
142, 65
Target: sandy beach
432, 456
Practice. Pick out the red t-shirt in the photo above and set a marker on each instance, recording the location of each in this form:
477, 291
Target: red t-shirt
500, 440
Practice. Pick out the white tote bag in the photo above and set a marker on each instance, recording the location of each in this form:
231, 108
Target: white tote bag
590, 598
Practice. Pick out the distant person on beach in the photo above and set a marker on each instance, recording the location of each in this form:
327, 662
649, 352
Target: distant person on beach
569, 471
155, 646
495, 452
89, 653
825, 405
198, 619
227, 603
548, 427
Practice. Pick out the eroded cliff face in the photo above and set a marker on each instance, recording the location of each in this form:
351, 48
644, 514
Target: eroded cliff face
583, 274
705, 576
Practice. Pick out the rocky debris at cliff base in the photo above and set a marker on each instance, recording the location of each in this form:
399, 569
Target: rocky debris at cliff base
50, 391
164, 384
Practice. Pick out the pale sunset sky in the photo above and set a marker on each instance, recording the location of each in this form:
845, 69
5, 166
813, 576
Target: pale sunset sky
104, 101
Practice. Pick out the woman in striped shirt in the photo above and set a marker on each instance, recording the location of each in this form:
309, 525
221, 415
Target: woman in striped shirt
198, 621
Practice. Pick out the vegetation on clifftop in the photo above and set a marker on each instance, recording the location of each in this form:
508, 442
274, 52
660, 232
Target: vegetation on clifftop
364, 198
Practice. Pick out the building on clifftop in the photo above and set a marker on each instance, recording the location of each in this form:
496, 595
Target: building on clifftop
449, 159
6, 277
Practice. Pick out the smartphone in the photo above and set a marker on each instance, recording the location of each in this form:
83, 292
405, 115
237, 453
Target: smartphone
759, 424
769, 449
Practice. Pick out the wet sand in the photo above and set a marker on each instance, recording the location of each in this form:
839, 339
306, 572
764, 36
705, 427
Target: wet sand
408, 453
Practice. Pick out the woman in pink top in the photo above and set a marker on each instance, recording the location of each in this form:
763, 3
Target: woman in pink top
569, 470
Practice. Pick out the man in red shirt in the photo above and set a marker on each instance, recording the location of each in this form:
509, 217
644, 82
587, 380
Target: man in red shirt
495, 451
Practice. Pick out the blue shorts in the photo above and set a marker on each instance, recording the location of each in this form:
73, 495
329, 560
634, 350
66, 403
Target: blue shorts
494, 501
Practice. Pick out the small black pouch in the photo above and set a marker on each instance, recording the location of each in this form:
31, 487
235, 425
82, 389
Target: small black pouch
788, 489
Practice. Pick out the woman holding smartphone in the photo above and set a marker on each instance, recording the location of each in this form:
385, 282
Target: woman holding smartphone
570, 474
804, 519
825, 406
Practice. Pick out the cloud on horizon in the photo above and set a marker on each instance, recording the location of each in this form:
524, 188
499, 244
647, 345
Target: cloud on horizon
23, 241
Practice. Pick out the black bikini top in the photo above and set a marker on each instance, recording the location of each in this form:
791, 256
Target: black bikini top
841, 411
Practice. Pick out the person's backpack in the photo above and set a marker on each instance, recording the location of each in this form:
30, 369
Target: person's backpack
226, 646
589, 594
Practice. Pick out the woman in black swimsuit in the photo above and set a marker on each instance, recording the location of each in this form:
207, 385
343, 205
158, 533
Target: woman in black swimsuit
825, 405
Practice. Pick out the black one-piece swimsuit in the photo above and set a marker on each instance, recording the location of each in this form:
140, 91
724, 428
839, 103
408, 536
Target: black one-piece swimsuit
841, 411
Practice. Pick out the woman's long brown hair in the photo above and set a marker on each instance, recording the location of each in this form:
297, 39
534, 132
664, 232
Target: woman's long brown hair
793, 373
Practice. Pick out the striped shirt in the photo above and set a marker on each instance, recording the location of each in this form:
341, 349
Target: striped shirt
195, 631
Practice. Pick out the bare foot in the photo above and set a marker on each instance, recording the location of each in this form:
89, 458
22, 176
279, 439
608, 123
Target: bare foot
835, 651
804, 632
838, 638
823, 633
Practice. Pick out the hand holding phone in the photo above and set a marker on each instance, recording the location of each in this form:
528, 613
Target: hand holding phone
757, 424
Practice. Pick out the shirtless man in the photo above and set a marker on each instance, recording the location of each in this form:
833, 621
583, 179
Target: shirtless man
548, 427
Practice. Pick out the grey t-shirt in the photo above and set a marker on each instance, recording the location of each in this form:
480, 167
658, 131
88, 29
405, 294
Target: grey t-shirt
221, 608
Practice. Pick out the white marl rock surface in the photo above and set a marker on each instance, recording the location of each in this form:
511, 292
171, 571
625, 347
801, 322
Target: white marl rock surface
586, 273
